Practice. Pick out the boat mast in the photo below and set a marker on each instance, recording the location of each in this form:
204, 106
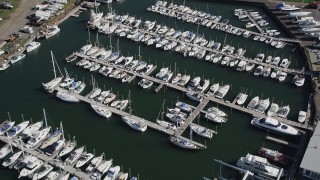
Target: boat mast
45, 117
61, 127
21, 143
129, 98
54, 68
9, 142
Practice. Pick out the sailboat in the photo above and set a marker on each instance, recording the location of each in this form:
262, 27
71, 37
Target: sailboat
163, 123
49, 86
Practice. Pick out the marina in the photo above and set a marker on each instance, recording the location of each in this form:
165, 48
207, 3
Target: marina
196, 103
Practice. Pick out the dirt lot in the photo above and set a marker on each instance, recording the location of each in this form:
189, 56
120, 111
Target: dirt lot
17, 20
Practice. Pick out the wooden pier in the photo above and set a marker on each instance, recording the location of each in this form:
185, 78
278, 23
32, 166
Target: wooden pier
283, 142
253, 21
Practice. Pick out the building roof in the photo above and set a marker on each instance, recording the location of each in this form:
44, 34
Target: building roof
311, 158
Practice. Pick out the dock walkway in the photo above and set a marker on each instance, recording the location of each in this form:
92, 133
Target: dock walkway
261, 32
248, 60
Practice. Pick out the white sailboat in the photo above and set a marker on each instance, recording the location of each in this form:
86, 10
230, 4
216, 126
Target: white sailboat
101, 111
74, 155
84, 158
49, 86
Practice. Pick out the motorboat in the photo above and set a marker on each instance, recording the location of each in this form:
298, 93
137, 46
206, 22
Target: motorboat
215, 118
65, 177
30, 129
123, 176
202, 131
302, 116
101, 111
84, 49
203, 86
183, 143
12, 159
145, 84
42, 171
217, 111
83, 159
274, 125
167, 125
135, 124
176, 118
223, 90
74, 155
32, 46
52, 30
273, 109
242, 97
263, 105
194, 96
112, 173
94, 17
273, 155
283, 111
184, 106
266, 71
16, 58
259, 165
15, 130
299, 14
69, 146
253, 103
51, 139
111, 97
67, 82
64, 96
6, 126
94, 163
37, 137
194, 83
162, 73
32, 163
250, 66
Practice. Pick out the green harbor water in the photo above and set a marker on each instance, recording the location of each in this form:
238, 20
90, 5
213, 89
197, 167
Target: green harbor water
150, 154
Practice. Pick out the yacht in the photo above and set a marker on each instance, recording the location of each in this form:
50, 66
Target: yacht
101, 111
51, 139
283, 111
176, 78
94, 163
184, 80
259, 166
194, 83
32, 163
54, 82
253, 103
242, 97
53, 30
101, 169
135, 124
273, 109
223, 90
217, 111
84, 158
183, 143
84, 49
203, 86
37, 136
184, 106
5, 65
66, 97
16, 58
112, 173
12, 159
5, 150
111, 97
215, 118
176, 118
202, 131
6, 126
15, 130
52, 175
32, 46
74, 156
274, 125
299, 14
263, 105
258, 71
194, 96
42, 171
302, 116
67, 82
55, 147
167, 125
94, 93
32, 128
69, 146
249, 66
162, 73
299, 80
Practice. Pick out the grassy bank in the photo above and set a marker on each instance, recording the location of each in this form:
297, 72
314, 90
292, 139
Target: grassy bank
5, 13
